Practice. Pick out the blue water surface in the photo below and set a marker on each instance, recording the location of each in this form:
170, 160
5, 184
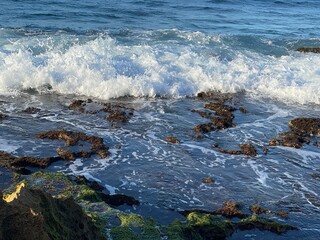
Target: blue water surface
295, 19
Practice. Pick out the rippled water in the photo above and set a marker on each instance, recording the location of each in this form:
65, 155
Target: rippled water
161, 54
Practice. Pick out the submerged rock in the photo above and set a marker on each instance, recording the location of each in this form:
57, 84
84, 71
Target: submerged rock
246, 149
34, 214
116, 113
31, 110
230, 210
289, 139
264, 224
257, 209
207, 180
309, 49
72, 139
2, 116
171, 139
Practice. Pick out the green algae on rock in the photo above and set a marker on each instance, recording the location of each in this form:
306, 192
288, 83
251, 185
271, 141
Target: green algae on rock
264, 224
200, 226
34, 214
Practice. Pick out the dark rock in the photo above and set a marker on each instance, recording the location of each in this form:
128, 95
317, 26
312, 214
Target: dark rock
31, 110
118, 116
246, 149
230, 210
315, 176
73, 138
289, 139
78, 105
90, 183
282, 214
33, 214
65, 154
118, 199
2, 116
17, 163
207, 180
203, 114
220, 109
257, 209
316, 143
215, 145
171, 139
309, 50
243, 110
204, 127
264, 224
305, 126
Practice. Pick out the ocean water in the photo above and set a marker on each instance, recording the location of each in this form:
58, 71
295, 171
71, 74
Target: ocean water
156, 56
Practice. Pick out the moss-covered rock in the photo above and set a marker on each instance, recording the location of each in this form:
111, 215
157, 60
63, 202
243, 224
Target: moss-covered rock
34, 214
200, 226
134, 226
264, 224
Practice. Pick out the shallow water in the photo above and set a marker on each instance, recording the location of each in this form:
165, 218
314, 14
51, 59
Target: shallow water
166, 177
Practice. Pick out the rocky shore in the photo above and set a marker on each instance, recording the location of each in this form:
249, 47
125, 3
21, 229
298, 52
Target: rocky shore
47, 205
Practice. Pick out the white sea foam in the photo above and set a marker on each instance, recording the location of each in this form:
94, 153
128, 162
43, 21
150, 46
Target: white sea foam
105, 68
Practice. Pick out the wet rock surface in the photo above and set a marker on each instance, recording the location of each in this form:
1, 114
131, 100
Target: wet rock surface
116, 113
217, 111
171, 139
246, 149
31, 110
305, 126
309, 49
301, 131
34, 214
2, 116
60, 195
74, 138
18, 164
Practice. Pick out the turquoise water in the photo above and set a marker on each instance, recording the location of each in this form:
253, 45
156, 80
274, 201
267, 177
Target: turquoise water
162, 53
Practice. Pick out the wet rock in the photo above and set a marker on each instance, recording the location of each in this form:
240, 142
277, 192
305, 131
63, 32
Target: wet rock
315, 176
305, 126
73, 138
31, 110
203, 114
33, 214
246, 149
316, 143
257, 209
282, 214
2, 116
117, 116
201, 226
230, 210
18, 163
215, 95
67, 155
78, 105
207, 180
113, 200
289, 139
243, 110
220, 109
264, 224
116, 113
119, 199
215, 145
204, 128
171, 139
309, 49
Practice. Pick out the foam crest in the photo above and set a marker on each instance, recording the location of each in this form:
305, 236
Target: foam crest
105, 68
